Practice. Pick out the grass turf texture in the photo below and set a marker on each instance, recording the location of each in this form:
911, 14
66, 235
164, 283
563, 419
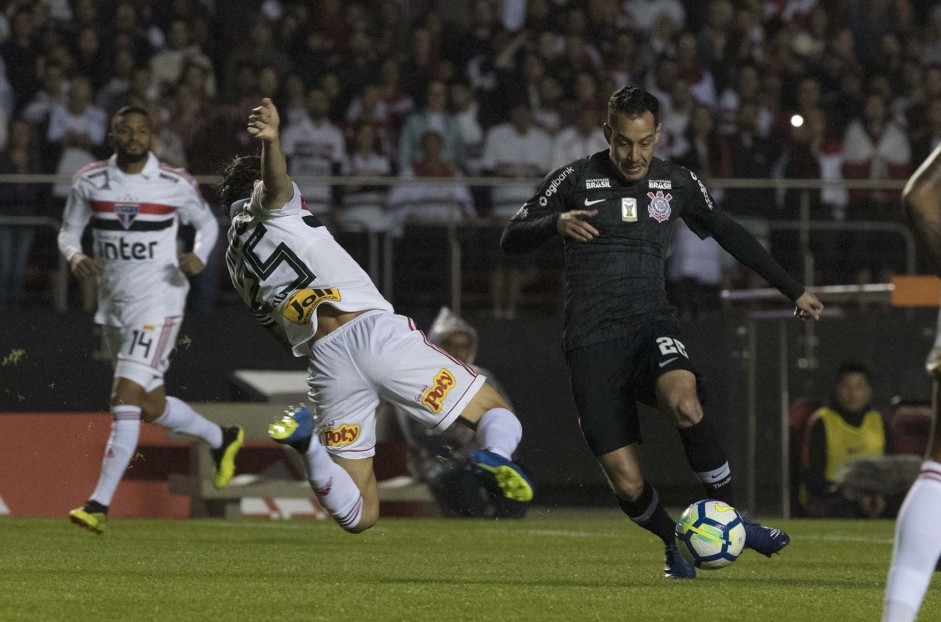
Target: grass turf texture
542, 568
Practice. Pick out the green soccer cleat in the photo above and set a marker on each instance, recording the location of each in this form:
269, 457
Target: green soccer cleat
224, 456
92, 521
509, 477
294, 428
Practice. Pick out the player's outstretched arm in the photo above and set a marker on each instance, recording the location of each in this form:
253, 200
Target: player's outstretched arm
922, 200
263, 124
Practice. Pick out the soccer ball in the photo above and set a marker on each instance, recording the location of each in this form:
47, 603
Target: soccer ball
710, 534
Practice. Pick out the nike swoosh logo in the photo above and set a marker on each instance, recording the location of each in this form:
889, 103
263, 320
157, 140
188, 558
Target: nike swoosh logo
590, 203
668, 361
723, 508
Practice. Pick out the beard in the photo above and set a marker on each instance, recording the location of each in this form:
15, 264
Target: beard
133, 158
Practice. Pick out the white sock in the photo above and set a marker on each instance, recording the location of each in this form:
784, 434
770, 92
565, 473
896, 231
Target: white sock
125, 430
499, 431
180, 417
917, 547
335, 489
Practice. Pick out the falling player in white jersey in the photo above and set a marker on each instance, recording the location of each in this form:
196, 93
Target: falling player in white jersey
314, 298
917, 544
134, 204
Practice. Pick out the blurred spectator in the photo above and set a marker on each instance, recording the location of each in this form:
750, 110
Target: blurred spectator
21, 199
421, 202
748, 88
645, 13
364, 207
53, 91
258, 50
77, 130
547, 114
118, 82
440, 460
398, 103
515, 150
694, 266
690, 69
751, 156
464, 106
436, 118
315, 147
875, 147
19, 53
846, 430
580, 140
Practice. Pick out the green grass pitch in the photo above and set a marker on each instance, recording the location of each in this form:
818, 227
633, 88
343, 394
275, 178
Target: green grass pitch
552, 566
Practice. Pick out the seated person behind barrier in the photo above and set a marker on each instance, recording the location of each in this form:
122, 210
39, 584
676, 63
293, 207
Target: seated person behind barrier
440, 460
838, 435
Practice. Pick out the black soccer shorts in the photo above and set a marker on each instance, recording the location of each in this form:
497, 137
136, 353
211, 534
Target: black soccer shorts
611, 377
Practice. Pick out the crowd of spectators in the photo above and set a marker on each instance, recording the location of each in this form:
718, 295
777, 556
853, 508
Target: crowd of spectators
819, 89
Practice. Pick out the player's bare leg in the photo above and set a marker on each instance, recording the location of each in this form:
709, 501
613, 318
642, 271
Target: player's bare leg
678, 399
917, 549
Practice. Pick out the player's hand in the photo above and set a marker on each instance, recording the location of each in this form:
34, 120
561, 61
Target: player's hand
808, 306
191, 264
83, 266
573, 225
264, 121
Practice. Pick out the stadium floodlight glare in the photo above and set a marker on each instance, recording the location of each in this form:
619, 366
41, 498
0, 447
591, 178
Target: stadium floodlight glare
797, 120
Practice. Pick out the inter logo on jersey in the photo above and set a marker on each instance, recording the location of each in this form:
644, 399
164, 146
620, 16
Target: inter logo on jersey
126, 213
659, 208
299, 307
434, 395
346, 434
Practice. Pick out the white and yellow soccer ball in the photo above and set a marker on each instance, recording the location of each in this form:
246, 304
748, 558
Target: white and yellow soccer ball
710, 534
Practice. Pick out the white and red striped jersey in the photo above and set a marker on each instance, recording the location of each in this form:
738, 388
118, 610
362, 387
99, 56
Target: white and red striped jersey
285, 264
134, 220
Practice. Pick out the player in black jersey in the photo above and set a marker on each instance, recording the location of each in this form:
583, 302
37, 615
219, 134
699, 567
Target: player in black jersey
613, 210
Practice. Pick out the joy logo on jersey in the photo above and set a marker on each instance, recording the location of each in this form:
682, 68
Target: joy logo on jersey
659, 208
346, 434
126, 213
434, 395
299, 306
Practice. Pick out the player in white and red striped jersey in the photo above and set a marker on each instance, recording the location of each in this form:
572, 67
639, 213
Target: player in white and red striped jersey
306, 290
134, 205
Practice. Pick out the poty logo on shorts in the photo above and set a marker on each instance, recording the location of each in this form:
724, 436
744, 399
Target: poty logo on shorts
126, 213
346, 434
555, 183
434, 395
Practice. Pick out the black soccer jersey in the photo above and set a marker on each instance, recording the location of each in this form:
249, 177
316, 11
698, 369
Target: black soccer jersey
615, 282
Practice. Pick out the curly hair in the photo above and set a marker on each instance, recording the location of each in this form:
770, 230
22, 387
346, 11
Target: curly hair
238, 179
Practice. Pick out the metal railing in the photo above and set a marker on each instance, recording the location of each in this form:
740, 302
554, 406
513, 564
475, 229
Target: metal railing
382, 271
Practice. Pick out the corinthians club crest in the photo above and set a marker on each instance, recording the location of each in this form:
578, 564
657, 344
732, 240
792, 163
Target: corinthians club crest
659, 208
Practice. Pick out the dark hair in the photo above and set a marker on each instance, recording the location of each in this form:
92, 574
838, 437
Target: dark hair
238, 179
126, 110
633, 102
853, 367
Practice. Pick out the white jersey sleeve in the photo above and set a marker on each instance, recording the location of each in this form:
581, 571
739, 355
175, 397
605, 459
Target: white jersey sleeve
285, 264
75, 218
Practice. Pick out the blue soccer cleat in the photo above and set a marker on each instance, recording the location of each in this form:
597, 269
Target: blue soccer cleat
508, 476
294, 428
675, 565
764, 540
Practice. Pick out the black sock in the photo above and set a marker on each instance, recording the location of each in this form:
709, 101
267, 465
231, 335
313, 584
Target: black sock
93, 507
707, 458
649, 513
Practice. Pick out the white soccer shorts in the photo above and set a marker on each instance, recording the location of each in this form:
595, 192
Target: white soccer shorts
381, 356
141, 352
